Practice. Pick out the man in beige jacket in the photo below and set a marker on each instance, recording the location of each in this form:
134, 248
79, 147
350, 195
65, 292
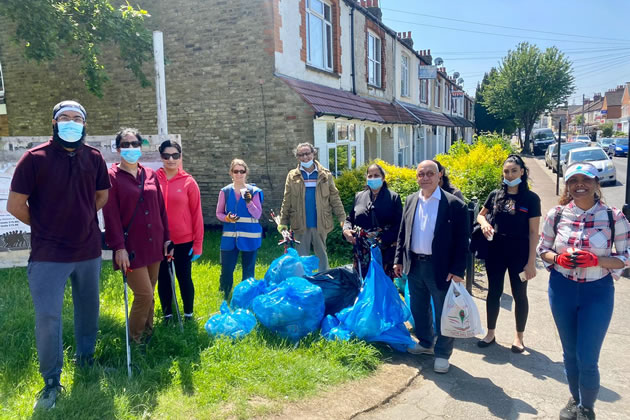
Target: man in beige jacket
310, 199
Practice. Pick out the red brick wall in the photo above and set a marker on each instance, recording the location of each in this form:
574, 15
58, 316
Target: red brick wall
370, 25
277, 24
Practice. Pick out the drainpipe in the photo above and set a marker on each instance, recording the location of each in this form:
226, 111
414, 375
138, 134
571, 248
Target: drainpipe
354, 86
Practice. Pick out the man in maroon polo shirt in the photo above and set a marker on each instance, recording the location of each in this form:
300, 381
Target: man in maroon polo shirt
57, 189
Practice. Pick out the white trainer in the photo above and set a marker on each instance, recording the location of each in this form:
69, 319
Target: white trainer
417, 348
441, 365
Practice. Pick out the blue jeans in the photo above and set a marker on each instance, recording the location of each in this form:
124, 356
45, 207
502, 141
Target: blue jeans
228, 264
422, 287
47, 281
582, 312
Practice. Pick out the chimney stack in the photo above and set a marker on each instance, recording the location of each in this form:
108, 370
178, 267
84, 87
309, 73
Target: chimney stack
374, 8
426, 56
406, 39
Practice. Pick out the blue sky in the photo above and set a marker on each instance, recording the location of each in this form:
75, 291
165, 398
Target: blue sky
593, 34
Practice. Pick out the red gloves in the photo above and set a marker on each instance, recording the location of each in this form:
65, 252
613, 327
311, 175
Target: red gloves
565, 260
584, 259
580, 258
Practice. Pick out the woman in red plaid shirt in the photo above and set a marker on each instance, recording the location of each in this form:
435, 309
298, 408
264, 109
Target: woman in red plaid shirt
576, 246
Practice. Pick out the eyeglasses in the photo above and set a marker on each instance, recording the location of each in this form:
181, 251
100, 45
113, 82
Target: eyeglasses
239, 171
304, 154
429, 174
66, 118
167, 156
128, 144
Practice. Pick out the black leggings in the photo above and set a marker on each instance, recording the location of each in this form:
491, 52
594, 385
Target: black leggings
183, 271
496, 266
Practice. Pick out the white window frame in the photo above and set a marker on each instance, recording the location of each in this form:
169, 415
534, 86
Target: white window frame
404, 147
424, 91
437, 93
327, 34
447, 102
404, 75
375, 60
351, 142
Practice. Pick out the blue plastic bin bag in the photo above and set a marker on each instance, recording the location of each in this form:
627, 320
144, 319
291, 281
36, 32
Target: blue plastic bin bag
407, 301
245, 292
378, 308
340, 285
231, 324
331, 329
293, 309
401, 283
397, 337
290, 265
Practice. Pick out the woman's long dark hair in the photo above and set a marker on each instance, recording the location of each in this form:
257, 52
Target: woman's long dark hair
446, 182
516, 159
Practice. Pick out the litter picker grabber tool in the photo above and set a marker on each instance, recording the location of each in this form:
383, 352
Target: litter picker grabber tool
288, 239
171, 270
124, 274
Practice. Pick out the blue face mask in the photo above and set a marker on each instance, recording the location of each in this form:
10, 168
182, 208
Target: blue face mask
375, 183
512, 183
307, 165
131, 155
70, 131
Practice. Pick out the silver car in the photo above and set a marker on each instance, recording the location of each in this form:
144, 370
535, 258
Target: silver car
596, 156
564, 149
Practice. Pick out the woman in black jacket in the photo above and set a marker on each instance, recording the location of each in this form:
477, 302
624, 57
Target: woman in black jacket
376, 212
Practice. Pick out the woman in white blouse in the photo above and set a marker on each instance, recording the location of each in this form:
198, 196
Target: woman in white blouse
576, 245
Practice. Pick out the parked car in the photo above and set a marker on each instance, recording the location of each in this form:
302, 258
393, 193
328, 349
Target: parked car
582, 138
564, 149
542, 138
605, 142
550, 150
596, 156
619, 147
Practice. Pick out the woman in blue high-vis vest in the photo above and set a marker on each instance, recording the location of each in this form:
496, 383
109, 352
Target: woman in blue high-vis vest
239, 208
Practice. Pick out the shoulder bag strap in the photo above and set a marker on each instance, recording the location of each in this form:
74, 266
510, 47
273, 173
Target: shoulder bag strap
611, 222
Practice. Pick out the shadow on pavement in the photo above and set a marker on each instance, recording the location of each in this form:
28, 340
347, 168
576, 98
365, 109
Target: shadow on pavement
462, 386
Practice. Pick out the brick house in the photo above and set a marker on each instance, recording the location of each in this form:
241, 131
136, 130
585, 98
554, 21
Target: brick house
611, 108
252, 79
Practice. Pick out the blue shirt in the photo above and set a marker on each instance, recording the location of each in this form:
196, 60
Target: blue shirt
310, 182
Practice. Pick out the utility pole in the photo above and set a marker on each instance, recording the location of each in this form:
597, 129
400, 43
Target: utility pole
582, 114
626, 206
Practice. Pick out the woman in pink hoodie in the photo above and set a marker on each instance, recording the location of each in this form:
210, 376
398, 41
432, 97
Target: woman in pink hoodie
185, 222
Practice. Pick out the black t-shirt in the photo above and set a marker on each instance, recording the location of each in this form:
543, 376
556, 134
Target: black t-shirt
513, 212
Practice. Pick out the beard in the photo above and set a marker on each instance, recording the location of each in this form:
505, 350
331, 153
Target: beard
68, 144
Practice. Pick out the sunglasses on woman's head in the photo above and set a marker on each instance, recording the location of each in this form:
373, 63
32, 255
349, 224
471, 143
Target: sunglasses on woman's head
175, 156
239, 171
128, 144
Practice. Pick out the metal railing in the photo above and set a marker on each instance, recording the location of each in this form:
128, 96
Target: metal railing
473, 210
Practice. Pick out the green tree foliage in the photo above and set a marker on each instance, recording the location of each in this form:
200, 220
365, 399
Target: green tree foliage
607, 129
48, 29
485, 121
529, 82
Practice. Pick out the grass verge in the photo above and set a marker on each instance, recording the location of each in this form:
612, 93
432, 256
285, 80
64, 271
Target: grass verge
183, 375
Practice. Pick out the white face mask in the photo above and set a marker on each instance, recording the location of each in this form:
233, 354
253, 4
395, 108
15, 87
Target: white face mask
306, 165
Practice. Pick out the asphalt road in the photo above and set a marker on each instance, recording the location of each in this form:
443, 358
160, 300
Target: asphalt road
614, 195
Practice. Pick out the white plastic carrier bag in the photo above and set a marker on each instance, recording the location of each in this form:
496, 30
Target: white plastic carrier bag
460, 317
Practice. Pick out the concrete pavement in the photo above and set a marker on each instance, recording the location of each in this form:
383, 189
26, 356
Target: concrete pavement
496, 383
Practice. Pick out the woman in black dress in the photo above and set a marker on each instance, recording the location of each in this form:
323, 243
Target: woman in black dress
376, 213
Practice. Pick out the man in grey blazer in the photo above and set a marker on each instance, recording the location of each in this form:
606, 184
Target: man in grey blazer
432, 247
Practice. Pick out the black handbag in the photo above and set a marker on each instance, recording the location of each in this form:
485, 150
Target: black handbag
104, 245
479, 245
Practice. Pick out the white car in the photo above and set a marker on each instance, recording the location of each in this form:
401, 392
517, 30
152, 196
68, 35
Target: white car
582, 138
595, 155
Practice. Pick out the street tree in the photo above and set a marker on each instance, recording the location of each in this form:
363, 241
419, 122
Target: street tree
51, 29
529, 82
607, 129
485, 121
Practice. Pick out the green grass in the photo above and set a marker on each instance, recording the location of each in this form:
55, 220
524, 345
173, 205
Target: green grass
183, 375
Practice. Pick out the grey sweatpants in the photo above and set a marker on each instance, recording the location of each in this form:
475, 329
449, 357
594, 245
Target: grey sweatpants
312, 237
47, 281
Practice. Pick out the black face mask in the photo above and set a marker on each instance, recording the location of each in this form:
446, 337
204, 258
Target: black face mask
67, 144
